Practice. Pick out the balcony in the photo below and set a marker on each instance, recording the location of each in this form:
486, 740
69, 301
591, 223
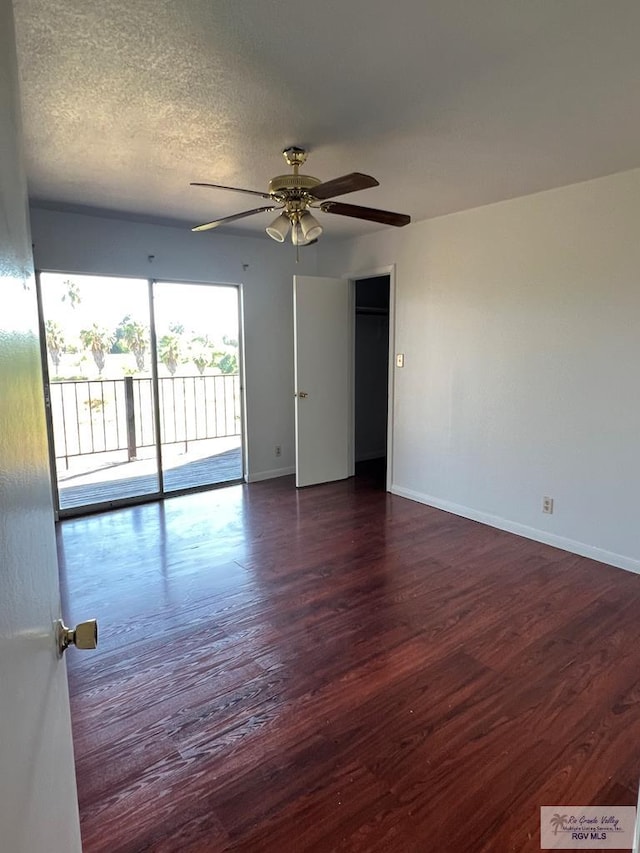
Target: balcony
105, 435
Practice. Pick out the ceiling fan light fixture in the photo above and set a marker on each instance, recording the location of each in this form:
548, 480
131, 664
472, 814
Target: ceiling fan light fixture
311, 228
279, 228
297, 235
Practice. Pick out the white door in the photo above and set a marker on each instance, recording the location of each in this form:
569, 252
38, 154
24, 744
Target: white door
323, 344
38, 803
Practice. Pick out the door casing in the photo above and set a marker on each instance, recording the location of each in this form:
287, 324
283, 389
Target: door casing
376, 273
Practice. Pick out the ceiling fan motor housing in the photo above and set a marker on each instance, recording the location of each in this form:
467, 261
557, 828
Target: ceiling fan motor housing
292, 184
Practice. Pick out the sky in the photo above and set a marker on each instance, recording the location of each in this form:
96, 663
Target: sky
203, 309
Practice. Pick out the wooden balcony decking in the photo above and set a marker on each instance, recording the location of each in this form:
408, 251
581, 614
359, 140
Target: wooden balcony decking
133, 479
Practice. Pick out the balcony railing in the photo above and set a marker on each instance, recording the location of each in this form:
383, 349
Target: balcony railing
100, 416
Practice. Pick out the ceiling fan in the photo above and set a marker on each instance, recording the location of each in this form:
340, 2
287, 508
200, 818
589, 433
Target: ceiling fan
294, 195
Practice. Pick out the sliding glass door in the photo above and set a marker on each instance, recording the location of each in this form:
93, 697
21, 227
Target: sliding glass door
100, 389
142, 385
197, 335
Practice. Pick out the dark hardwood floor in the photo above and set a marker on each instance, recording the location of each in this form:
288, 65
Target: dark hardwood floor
340, 669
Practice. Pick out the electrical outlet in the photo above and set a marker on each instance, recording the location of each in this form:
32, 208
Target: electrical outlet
547, 505
278, 450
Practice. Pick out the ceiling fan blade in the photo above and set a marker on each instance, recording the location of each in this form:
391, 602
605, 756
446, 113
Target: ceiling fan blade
386, 217
216, 222
233, 189
346, 184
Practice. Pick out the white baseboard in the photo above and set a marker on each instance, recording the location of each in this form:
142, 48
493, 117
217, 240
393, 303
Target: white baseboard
620, 561
270, 475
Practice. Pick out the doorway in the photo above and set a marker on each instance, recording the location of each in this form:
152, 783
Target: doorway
371, 371
328, 380
142, 388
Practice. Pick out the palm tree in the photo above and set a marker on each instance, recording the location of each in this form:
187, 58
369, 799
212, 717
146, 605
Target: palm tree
202, 352
558, 821
55, 342
200, 360
136, 337
170, 352
99, 342
72, 294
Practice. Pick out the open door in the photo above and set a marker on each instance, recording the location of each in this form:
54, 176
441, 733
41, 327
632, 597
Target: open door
323, 311
38, 802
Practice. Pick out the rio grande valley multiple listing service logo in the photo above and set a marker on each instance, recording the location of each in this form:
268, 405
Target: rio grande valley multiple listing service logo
587, 827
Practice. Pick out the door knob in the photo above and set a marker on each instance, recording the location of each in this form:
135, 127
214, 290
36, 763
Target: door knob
83, 636
302, 394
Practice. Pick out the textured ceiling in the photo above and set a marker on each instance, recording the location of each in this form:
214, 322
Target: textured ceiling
449, 103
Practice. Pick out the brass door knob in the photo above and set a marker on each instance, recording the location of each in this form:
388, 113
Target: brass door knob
83, 636
302, 394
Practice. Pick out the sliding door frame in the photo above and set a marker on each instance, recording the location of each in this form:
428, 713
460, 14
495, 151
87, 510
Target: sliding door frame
154, 355
160, 493
46, 390
153, 342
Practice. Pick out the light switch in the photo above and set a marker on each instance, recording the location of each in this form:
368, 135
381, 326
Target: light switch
400, 359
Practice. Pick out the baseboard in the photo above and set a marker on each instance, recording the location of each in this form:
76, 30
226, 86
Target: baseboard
270, 475
620, 561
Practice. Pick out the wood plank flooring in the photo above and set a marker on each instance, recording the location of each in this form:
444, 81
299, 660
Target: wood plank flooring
338, 669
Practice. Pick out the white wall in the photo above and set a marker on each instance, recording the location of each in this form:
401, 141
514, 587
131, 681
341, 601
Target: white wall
520, 322
38, 805
69, 242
